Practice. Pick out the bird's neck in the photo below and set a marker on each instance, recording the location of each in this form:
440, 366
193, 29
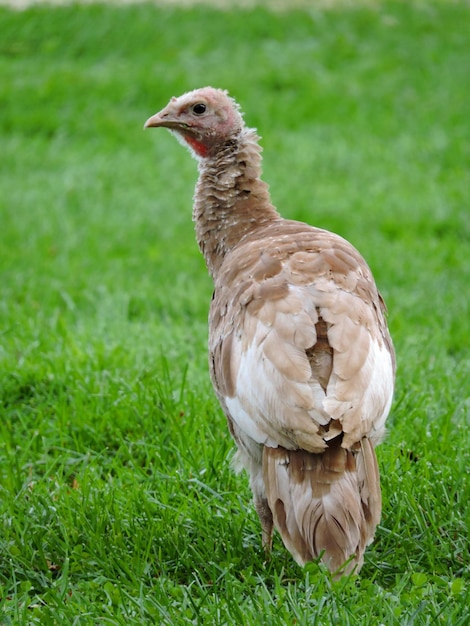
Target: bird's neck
230, 199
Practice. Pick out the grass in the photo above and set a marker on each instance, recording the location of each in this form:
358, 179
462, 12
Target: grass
117, 502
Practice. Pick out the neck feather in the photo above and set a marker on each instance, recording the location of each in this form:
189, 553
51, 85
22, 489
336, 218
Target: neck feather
230, 199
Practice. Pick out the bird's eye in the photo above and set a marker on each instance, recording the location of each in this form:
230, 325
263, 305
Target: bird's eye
199, 109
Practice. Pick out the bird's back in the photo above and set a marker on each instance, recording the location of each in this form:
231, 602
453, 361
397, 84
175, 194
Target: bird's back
298, 323
303, 365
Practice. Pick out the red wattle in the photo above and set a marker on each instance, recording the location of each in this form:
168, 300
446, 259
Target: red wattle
198, 147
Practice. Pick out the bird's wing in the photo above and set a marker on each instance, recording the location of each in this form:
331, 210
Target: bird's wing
300, 351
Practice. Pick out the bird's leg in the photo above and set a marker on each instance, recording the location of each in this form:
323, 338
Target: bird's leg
266, 519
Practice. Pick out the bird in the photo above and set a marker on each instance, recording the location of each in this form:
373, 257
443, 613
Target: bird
300, 355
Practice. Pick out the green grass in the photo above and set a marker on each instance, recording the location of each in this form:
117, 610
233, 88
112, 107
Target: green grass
117, 502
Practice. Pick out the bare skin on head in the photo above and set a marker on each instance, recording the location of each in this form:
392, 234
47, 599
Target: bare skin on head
300, 355
203, 118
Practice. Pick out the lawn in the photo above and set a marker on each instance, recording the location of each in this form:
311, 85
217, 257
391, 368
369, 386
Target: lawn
117, 501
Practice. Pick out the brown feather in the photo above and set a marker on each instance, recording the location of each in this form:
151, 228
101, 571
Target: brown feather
324, 505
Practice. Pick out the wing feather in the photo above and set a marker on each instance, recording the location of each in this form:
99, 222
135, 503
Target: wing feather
278, 380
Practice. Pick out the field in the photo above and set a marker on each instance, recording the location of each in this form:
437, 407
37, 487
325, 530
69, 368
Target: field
117, 501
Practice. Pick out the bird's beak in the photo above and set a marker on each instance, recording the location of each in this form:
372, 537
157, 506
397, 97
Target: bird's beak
166, 119
156, 120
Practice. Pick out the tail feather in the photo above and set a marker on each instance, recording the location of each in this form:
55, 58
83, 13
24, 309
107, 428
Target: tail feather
324, 505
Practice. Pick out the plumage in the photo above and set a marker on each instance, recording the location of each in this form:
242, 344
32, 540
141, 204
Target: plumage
299, 351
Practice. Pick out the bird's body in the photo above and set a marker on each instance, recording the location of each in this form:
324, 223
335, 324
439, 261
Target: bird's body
299, 351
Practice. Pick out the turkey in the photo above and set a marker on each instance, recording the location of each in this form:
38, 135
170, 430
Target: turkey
300, 355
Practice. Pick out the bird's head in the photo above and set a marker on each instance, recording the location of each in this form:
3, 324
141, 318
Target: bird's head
205, 119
